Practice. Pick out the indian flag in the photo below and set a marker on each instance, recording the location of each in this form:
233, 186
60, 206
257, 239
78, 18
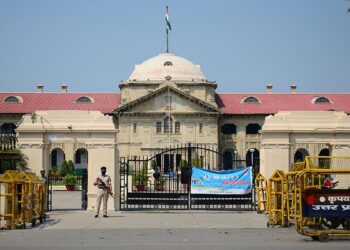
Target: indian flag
168, 26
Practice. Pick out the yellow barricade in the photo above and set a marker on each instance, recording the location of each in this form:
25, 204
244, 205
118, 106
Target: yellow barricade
21, 199
277, 199
12, 193
261, 193
34, 202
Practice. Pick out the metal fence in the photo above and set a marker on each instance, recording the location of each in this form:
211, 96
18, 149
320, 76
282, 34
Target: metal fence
163, 180
58, 181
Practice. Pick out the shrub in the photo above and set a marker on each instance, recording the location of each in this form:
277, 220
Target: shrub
183, 163
70, 169
54, 169
140, 177
69, 180
64, 168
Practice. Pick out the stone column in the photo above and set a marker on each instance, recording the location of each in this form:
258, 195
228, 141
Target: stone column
103, 155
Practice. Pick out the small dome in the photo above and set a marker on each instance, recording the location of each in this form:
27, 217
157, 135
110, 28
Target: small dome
167, 66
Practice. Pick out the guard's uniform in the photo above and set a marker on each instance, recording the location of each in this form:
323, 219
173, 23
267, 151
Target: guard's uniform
102, 193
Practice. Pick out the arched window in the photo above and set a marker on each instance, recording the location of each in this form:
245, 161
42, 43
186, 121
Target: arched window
253, 159
8, 128
168, 63
57, 157
168, 124
84, 99
321, 100
12, 99
228, 129
81, 158
250, 99
252, 129
300, 155
324, 162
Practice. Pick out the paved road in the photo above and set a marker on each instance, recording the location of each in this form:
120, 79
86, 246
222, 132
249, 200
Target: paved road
72, 229
184, 230
64, 200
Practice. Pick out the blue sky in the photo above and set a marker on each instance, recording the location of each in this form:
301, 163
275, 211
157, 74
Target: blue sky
242, 45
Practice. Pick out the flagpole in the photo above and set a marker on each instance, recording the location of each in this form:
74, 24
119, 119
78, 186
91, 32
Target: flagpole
167, 29
167, 40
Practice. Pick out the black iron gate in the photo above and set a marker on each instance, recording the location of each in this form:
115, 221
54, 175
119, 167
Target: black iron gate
49, 193
84, 189
163, 181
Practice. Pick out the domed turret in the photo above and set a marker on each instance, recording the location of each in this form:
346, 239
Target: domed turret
167, 66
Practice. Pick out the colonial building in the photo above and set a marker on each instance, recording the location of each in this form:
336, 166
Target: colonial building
168, 101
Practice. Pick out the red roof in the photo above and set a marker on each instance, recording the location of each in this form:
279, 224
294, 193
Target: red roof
104, 102
272, 103
228, 103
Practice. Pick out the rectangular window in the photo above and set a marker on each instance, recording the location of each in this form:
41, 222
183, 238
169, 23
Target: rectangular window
177, 127
135, 127
159, 127
200, 128
168, 125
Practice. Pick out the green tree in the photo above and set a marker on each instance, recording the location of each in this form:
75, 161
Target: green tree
64, 168
71, 168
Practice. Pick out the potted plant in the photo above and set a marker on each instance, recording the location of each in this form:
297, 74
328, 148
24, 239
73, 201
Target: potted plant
140, 180
70, 168
54, 171
64, 168
159, 183
70, 182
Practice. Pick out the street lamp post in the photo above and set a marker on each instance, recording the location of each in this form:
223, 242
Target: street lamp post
235, 158
252, 156
252, 163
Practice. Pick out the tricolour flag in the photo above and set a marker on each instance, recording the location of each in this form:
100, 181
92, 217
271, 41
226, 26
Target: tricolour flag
168, 26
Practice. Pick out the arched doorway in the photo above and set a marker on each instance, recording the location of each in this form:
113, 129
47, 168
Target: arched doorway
228, 160
8, 128
324, 163
300, 155
253, 159
252, 129
56, 157
81, 159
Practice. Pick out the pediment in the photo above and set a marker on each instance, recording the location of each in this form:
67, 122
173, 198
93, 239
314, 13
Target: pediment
159, 102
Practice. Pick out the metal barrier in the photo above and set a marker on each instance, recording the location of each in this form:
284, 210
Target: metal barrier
21, 199
33, 203
276, 199
12, 195
261, 193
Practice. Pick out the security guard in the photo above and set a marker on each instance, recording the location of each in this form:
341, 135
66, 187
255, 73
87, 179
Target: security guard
45, 189
103, 182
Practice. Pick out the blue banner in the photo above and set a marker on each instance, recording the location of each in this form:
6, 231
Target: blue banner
221, 182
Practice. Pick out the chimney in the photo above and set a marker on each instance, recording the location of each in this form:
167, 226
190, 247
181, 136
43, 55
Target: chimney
293, 89
64, 88
40, 88
269, 88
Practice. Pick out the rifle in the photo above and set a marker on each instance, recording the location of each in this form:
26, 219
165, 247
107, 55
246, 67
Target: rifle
108, 189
